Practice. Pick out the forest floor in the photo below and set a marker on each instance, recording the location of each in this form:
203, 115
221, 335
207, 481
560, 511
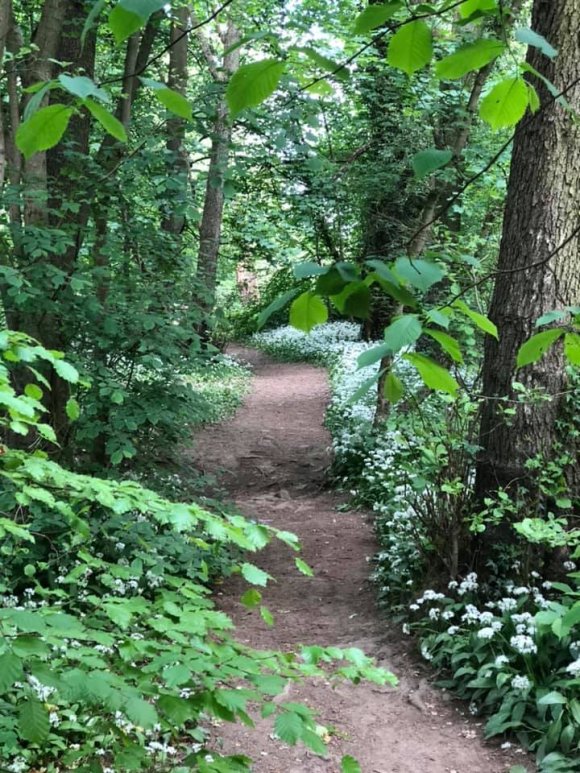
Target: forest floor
271, 459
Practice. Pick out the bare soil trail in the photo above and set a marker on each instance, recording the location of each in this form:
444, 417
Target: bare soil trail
272, 458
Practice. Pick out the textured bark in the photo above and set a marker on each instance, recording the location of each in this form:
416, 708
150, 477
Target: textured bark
211, 221
5, 14
542, 210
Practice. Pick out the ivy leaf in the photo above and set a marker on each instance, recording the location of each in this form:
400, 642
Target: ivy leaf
289, 727
422, 274
33, 722
531, 38
572, 348
254, 575
411, 47
303, 567
10, 671
375, 16
433, 375
482, 322
446, 342
73, 410
43, 130
348, 764
110, 124
403, 332
307, 311
505, 104
275, 306
535, 347
253, 83
428, 161
393, 389
471, 57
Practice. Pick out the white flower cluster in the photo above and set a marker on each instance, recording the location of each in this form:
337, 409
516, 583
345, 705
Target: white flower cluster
521, 683
574, 668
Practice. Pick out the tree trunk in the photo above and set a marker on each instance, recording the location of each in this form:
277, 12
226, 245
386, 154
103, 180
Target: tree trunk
542, 210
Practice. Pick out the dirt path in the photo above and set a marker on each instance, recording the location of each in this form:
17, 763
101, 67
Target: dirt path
273, 455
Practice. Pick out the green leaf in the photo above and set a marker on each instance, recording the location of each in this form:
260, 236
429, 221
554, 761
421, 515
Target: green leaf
536, 346
254, 575
314, 741
33, 391
253, 83
550, 316
471, 7
73, 410
94, 14
275, 306
174, 101
141, 713
330, 283
33, 722
551, 699
303, 567
505, 104
572, 348
309, 268
124, 23
10, 671
375, 16
289, 727
66, 371
110, 124
531, 38
482, 322
324, 63
82, 87
251, 598
471, 57
43, 130
404, 331
433, 375
394, 389
421, 274
428, 161
307, 311
266, 616
382, 270
447, 343
357, 303
373, 355
411, 47
348, 764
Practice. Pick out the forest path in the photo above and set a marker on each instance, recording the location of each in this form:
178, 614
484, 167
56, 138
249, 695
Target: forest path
271, 458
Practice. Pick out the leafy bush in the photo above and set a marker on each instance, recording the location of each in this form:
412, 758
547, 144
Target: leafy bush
112, 654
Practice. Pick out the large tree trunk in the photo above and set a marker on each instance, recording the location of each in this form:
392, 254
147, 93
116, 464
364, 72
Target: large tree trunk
542, 210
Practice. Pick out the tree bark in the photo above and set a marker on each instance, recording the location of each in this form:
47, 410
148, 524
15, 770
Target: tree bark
542, 211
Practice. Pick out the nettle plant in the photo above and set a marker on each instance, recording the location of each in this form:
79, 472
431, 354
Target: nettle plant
112, 654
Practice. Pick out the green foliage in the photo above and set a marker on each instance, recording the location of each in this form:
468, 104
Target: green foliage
44, 129
253, 83
411, 47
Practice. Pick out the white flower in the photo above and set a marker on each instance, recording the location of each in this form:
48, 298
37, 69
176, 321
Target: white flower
506, 604
569, 566
453, 584
486, 633
506, 745
434, 613
468, 584
501, 660
574, 668
471, 614
525, 645
414, 607
426, 653
452, 630
520, 682
406, 629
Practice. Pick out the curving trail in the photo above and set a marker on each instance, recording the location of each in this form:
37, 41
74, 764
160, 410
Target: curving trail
272, 459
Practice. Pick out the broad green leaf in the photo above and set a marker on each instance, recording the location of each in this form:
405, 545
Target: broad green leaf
324, 63
303, 567
330, 283
141, 713
535, 347
572, 348
421, 274
550, 316
470, 7
10, 671
425, 162
357, 303
33, 722
399, 293
174, 101
471, 57
83, 87
253, 83
482, 322
309, 268
375, 16
433, 375
289, 727
276, 305
313, 741
266, 616
66, 371
551, 699
251, 598
175, 675
382, 270
73, 410
348, 764
124, 23
43, 130
533, 98
447, 343
438, 317
411, 47
393, 389
110, 124
403, 332
307, 311
370, 356
33, 391
531, 38
505, 104
254, 575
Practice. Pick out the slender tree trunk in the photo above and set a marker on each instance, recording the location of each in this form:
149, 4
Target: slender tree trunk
542, 211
